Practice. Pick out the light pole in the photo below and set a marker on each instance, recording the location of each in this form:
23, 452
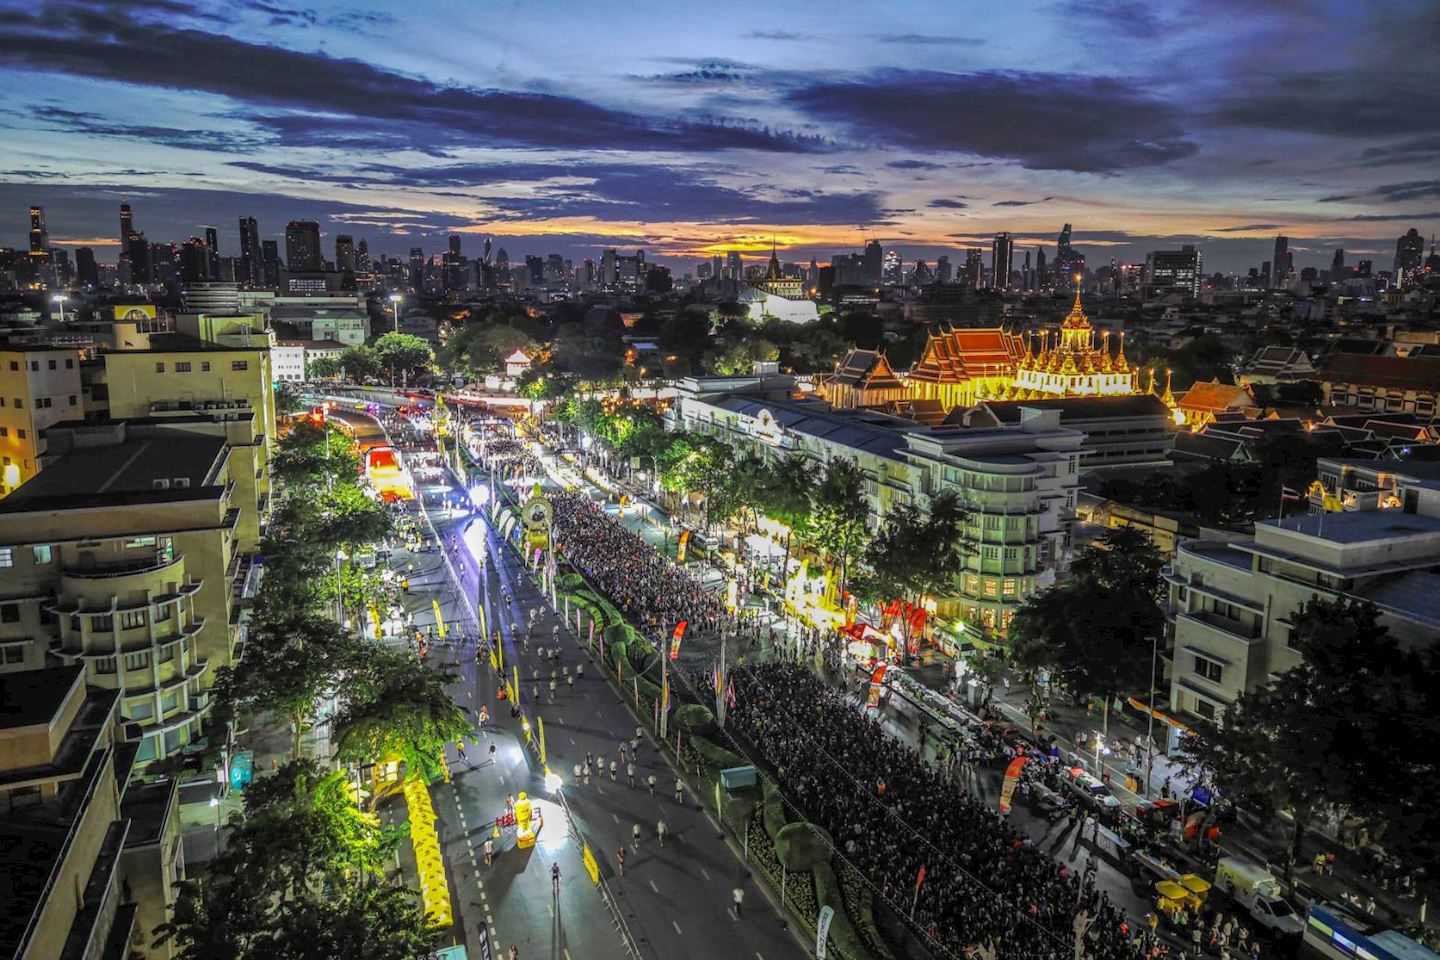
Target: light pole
395, 299
1150, 722
339, 590
215, 805
60, 299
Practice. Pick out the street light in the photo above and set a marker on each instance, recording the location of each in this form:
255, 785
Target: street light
215, 805
60, 299
395, 299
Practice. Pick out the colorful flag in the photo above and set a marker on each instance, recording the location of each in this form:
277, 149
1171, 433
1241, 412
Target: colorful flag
680, 550
1289, 494
676, 637
730, 692
920, 878
1012, 778
877, 682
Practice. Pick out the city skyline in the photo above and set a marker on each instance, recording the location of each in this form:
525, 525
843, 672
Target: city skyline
672, 131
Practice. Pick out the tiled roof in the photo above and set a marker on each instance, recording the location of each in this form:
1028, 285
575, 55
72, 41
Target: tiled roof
865, 369
955, 356
1399, 373
1214, 396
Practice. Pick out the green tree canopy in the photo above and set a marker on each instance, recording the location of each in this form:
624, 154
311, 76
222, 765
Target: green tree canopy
405, 712
840, 522
359, 363
402, 354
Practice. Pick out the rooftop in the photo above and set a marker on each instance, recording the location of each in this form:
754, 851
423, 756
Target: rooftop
1414, 595
1084, 408
34, 696
122, 473
181, 343
1365, 526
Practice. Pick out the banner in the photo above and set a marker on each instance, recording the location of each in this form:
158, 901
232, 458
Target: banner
680, 550
877, 682
540, 725
920, 878
1012, 778
822, 930
591, 867
732, 594
676, 637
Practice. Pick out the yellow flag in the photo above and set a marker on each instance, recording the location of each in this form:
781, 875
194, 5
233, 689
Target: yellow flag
591, 867
540, 722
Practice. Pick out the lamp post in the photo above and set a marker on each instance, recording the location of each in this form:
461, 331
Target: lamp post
395, 299
1099, 745
215, 805
1150, 721
339, 590
60, 299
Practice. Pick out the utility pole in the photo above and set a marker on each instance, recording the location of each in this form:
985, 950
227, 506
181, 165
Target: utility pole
1150, 722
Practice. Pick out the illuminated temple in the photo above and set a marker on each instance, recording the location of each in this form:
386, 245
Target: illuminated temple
960, 368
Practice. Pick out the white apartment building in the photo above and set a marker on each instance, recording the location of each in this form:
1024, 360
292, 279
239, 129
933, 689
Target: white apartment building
1231, 602
39, 386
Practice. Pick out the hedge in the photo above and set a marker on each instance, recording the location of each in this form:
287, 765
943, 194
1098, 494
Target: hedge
860, 904
772, 809
696, 718
803, 845
843, 935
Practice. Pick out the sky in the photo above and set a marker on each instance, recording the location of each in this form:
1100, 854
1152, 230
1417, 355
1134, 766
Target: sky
688, 129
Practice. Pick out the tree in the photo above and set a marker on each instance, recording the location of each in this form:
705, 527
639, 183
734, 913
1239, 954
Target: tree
914, 555
738, 355
841, 515
404, 355
1351, 726
315, 456
301, 876
786, 498
324, 368
359, 363
402, 711
1095, 631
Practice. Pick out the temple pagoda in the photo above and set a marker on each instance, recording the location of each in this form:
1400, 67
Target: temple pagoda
1075, 366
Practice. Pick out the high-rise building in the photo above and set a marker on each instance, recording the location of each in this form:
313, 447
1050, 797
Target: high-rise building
974, 268
1002, 257
454, 245
874, 263
86, 271
137, 252
944, 272
1364, 268
251, 260
270, 263
39, 236
345, 253
1042, 278
734, 266
127, 222
302, 247
362, 257
1174, 271
1027, 279
1282, 264
1409, 254
1068, 261
195, 261
417, 269
43, 384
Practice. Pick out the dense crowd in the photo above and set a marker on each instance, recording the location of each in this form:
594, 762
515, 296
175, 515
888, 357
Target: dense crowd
891, 813
651, 591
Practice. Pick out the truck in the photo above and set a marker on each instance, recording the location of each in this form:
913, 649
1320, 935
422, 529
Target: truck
1257, 890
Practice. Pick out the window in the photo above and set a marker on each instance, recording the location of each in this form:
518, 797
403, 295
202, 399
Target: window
991, 587
72, 399
105, 665
35, 365
1208, 669
182, 366
19, 404
14, 365
204, 366
5, 432
167, 653
21, 434
131, 619
137, 661
239, 364
136, 542
1205, 708
167, 549
70, 363
138, 710
159, 367
9, 613
164, 612
12, 654
7, 557
52, 364
169, 702
102, 622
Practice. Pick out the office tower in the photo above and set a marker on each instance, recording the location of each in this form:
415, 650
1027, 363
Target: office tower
127, 223
362, 258
608, 267
1281, 265
39, 236
734, 265
85, 269
251, 259
212, 247
1409, 253
1337, 262
1068, 260
345, 253
944, 273
454, 245
702, 270
195, 261
1002, 258
137, 252
717, 266
535, 269
874, 263
270, 263
1174, 271
974, 268
1026, 278
302, 247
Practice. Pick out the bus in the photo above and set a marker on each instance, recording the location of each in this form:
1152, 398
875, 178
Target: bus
1337, 935
387, 474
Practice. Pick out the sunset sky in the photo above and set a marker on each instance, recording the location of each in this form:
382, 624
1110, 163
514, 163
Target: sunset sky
687, 127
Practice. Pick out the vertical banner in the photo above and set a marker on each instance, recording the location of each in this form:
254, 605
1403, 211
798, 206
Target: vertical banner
680, 550
732, 594
1012, 778
877, 682
676, 637
591, 867
540, 724
822, 930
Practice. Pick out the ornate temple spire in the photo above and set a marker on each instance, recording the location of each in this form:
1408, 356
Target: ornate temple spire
1168, 398
774, 272
1121, 363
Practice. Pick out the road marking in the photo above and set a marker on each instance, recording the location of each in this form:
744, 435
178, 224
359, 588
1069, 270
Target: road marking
615, 817
552, 909
760, 955
677, 928
653, 887
705, 873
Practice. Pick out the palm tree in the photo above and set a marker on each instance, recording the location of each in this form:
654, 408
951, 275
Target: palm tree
788, 498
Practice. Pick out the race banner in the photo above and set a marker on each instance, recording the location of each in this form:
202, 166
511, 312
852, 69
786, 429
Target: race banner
676, 637
1012, 779
822, 930
877, 682
732, 593
680, 550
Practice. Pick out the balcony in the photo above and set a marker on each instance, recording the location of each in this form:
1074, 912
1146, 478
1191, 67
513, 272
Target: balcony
1233, 629
121, 568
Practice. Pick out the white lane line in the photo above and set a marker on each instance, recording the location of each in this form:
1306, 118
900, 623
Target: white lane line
653, 887
566, 951
615, 817
677, 928
759, 955
705, 873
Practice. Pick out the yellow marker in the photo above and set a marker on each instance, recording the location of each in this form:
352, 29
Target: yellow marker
376, 614
540, 722
591, 867
439, 620
516, 669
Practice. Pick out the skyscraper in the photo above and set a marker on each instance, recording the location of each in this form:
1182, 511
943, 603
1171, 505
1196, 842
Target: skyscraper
944, 273
1002, 261
1281, 264
1027, 280
345, 253
85, 269
974, 268
1068, 260
40, 237
302, 247
717, 266
1409, 253
270, 263
1041, 277
127, 223
1174, 271
362, 257
212, 257
454, 245
734, 265
252, 260
874, 262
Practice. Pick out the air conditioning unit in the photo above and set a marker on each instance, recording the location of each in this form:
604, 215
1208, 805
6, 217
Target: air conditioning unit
160, 483
182, 482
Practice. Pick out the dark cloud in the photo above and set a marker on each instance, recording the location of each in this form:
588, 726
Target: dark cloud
1383, 217
281, 15
1250, 226
945, 203
1421, 150
705, 73
1393, 192
841, 170
914, 165
94, 125
1340, 103
1019, 203
1043, 121
777, 35
111, 44
1108, 20
929, 39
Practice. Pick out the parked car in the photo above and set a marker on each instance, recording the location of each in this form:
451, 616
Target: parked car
1093, 794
